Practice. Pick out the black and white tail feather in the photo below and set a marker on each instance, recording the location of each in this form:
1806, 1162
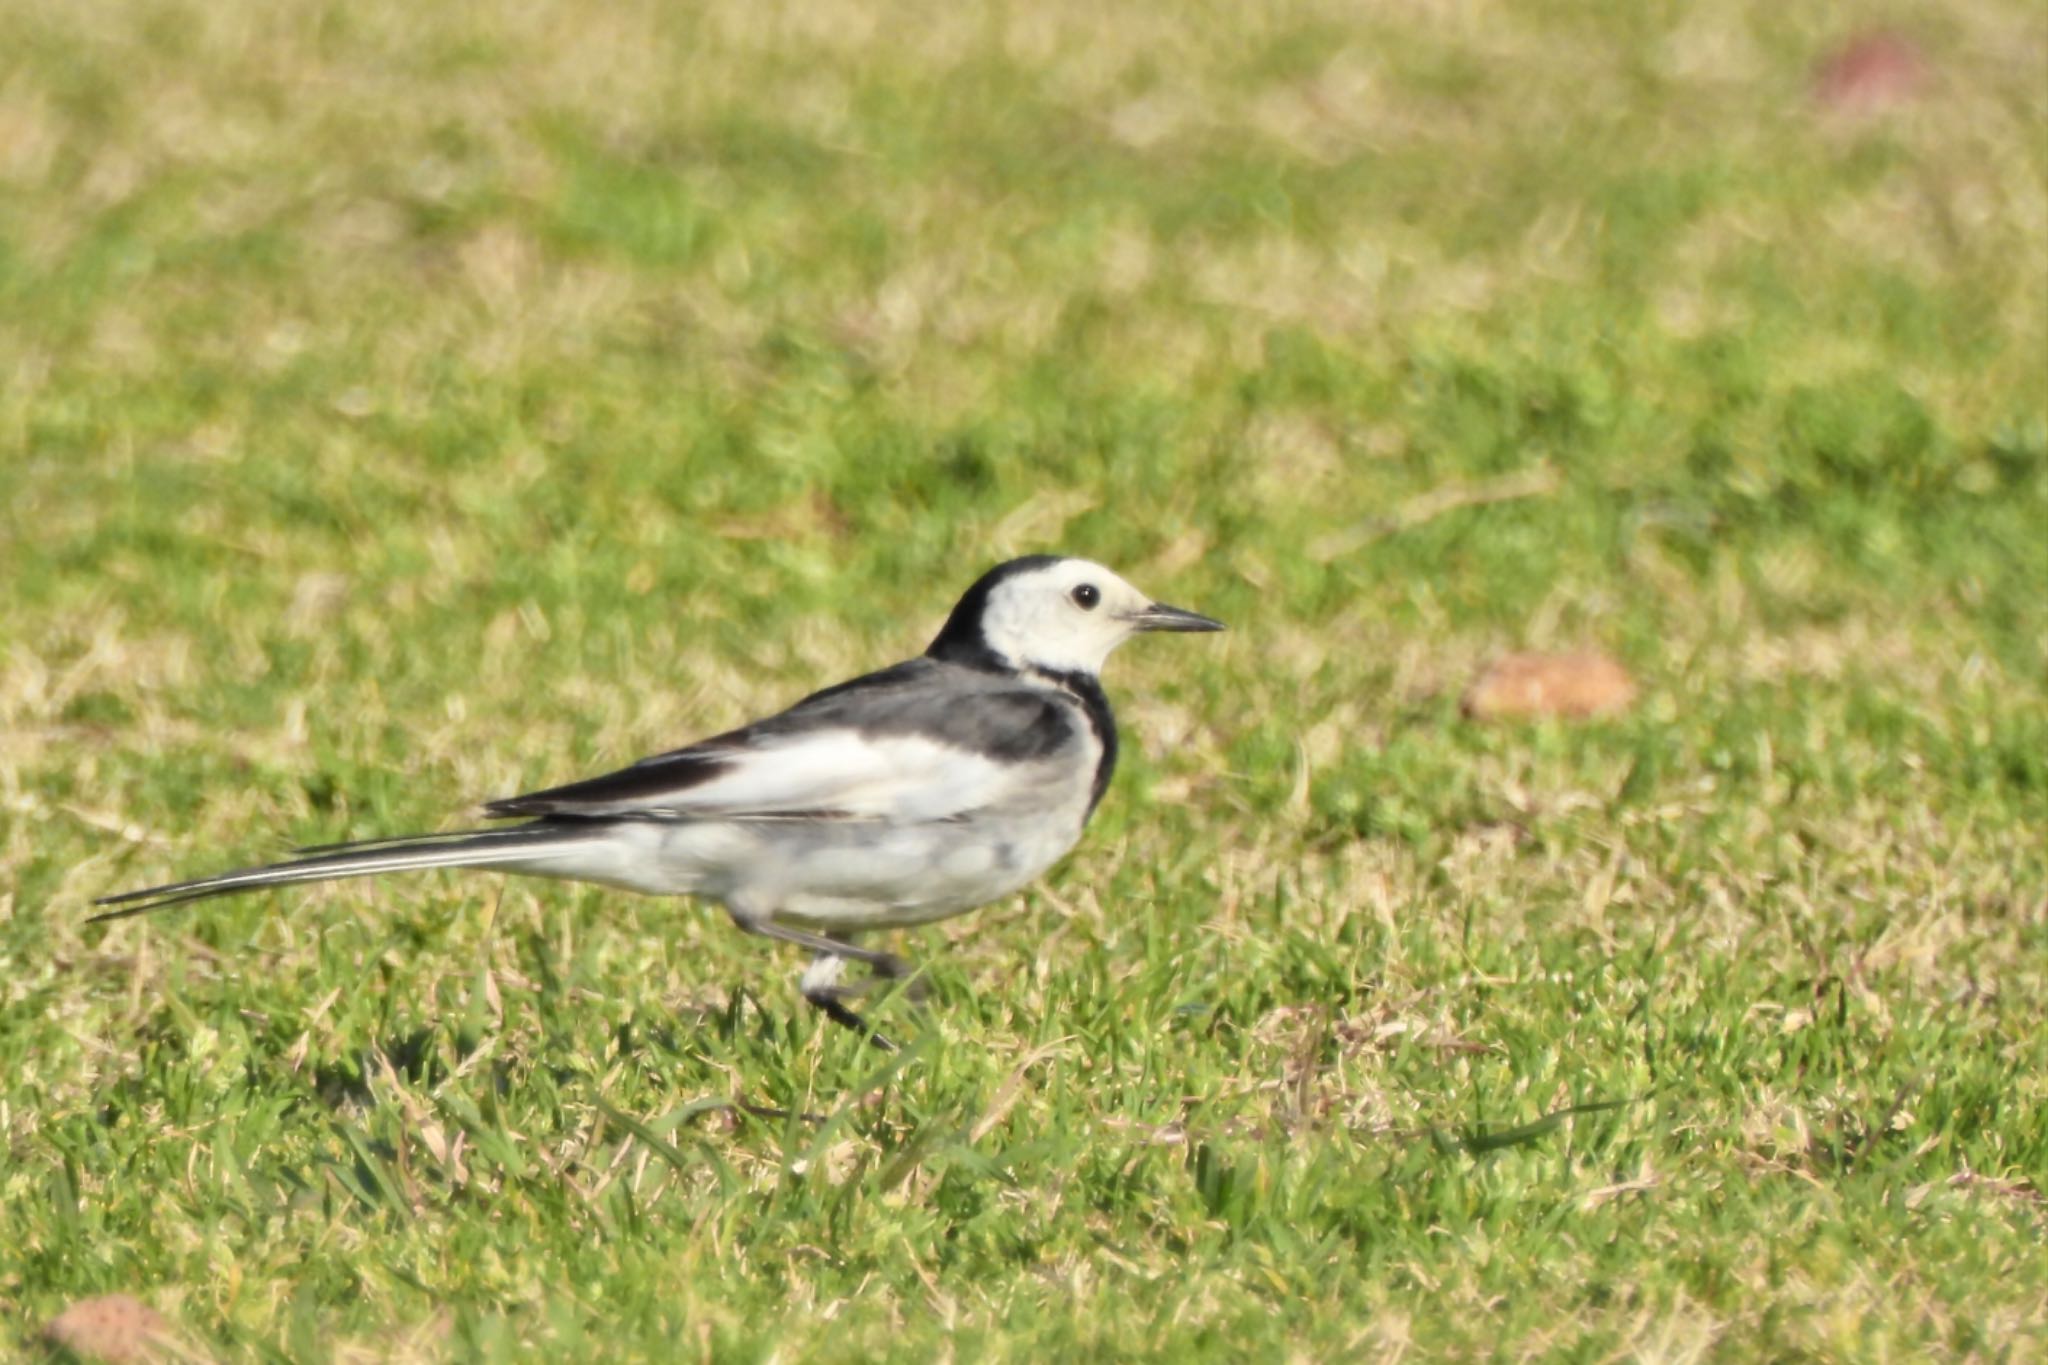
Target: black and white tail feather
498, 850
901, 797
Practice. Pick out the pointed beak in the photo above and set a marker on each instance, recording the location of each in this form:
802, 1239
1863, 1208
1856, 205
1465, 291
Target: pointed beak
1159, 616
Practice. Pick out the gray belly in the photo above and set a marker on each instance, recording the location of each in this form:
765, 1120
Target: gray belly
882, 878
844, 876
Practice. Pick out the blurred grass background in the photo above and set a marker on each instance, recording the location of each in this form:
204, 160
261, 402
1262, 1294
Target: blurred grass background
404, 405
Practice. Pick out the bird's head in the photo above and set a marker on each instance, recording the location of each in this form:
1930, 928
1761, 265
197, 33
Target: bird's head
1059, 615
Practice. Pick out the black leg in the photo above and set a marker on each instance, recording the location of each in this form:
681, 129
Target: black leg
823, 988
821, 984
836, 1010
885, 964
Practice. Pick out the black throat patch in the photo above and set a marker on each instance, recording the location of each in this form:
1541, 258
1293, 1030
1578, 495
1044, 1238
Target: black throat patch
1087, 689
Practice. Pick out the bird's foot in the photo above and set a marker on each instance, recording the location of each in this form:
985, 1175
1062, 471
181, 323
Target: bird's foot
825, 989
835, 1009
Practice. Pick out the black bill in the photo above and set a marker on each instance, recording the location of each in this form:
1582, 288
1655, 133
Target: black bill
1159, 616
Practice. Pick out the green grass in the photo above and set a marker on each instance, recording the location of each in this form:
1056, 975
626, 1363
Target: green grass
402, 405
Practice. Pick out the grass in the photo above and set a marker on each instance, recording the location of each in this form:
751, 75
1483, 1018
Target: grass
409, 404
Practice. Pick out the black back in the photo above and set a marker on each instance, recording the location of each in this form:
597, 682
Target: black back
1012, 725
1013, 721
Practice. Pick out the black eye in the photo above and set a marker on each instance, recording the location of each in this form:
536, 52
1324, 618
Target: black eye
1086, 596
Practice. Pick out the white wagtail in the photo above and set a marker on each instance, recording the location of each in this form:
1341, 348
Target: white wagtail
899, 798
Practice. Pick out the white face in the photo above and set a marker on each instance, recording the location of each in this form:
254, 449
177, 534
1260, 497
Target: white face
1065, 617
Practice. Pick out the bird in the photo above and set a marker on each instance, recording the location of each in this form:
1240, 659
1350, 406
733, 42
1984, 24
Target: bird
901, 797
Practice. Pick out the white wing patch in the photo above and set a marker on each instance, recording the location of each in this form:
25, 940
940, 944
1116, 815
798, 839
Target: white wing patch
843, 773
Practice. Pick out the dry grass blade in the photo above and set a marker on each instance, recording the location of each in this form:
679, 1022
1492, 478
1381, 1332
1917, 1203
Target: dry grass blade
1537, 482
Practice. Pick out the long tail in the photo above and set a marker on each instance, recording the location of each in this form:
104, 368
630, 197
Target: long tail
509, 849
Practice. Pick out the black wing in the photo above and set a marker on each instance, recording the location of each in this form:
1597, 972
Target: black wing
923, 739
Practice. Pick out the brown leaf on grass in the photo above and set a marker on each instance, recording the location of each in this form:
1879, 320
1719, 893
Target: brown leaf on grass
1518, 686
115, 1328
1869, 72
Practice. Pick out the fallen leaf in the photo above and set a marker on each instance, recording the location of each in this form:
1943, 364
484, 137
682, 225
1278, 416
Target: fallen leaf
115, 1328
1871, 71
1522, 685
